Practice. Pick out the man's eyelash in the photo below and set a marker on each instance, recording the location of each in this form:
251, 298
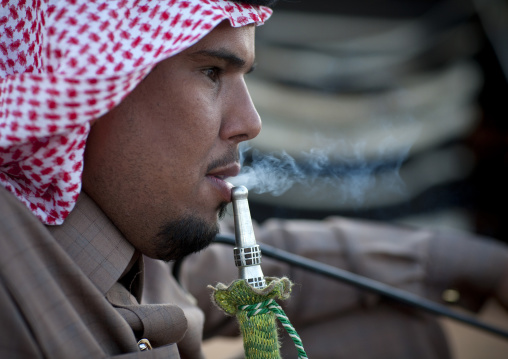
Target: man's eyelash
213, 73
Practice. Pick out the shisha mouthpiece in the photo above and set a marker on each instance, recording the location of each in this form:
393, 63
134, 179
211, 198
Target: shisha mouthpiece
255, 309
247, 253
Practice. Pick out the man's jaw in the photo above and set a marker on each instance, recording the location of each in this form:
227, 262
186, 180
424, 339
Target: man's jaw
179, 238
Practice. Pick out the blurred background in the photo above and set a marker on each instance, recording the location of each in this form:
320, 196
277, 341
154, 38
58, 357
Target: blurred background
382, 109
390, 110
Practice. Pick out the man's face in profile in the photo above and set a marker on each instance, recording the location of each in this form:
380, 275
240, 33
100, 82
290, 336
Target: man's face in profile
156, 163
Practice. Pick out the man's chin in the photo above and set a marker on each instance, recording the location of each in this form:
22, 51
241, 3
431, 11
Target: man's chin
187, 235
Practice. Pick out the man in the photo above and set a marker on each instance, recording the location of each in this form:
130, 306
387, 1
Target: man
157, 111
158, 140
65, 65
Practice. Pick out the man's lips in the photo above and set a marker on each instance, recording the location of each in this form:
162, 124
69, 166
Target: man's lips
218, 178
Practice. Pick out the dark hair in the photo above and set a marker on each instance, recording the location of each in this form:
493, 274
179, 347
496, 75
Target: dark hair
257, 2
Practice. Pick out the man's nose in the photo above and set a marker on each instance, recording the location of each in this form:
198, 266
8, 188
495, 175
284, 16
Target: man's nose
241, 120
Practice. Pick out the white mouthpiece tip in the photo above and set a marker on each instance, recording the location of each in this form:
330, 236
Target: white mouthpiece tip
240, 192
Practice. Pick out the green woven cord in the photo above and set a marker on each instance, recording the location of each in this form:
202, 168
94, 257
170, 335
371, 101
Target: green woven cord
260, 340
259, 332
271, 306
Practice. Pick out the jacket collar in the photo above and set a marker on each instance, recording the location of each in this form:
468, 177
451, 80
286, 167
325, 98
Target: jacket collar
95, 244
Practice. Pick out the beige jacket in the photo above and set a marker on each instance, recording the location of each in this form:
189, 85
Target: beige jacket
80, 291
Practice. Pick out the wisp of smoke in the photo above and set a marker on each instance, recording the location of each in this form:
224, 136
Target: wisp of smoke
352, 176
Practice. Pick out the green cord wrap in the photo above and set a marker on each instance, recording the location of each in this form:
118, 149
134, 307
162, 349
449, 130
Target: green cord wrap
271, 306
258, 326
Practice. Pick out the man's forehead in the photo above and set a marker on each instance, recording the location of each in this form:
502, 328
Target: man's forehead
232, 44
224, 34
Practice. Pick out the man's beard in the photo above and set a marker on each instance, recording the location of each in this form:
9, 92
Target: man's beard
186, 235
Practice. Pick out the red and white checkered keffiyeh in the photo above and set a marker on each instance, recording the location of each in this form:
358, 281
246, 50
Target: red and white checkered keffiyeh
64, 63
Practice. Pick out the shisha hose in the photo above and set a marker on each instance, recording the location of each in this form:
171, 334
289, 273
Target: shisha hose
371, 285
252, 297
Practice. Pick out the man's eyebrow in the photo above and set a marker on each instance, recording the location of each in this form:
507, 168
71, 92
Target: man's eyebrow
223, 55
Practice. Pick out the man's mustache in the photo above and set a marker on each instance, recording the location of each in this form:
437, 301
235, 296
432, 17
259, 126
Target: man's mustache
228, 158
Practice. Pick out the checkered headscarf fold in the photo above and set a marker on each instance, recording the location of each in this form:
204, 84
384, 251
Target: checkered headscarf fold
64, 63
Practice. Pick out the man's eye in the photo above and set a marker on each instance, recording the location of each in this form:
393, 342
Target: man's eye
213, 73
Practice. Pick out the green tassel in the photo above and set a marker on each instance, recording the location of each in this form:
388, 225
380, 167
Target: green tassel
256, 313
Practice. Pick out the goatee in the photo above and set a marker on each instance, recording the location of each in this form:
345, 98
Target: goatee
186, 235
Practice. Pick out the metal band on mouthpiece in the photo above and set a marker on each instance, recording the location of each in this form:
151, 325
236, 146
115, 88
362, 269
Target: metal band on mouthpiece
247, 256
247, 253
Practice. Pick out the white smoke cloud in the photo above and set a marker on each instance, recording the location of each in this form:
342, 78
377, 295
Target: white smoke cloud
340, 165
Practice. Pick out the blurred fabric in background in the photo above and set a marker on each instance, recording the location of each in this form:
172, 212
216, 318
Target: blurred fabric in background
389, 110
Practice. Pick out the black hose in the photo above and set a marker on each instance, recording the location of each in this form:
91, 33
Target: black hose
367, 284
